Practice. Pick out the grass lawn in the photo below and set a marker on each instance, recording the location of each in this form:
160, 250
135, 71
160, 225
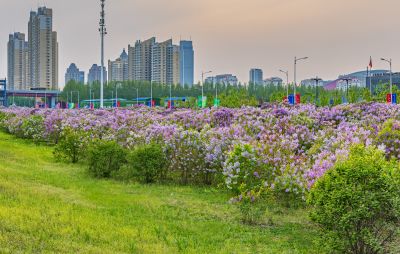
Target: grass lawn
50, 207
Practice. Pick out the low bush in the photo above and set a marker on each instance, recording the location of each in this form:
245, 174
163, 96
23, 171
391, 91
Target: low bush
105, 158
252, 206
186, 153
242, 170
146, 163
32, 128
389, 136
357, 203
72, 145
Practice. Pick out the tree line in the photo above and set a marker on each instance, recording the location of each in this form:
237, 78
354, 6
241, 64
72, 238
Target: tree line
229, 95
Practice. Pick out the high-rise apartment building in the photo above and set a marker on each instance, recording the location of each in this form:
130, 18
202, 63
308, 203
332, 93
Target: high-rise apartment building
174, 66
43, 50
186, 63
118, 69
17, 62
161, 68
74, 74
161, 62
94, 74
140, 60
256, 77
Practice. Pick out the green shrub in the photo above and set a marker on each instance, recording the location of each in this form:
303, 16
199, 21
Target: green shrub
33, 128
243, 172
357, 203
72, 145
2, 117
186, 153
147, 163
105, 158
389, 136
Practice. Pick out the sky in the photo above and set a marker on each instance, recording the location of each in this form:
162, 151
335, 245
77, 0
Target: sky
229, 36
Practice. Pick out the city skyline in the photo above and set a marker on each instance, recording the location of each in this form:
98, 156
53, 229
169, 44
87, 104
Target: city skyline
339, 37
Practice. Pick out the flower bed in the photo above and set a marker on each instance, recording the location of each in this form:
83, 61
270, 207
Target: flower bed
284, 149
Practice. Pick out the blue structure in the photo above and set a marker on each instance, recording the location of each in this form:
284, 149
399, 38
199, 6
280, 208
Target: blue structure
74, 74
394, 98
3, 93
291, 99
186, 63
256, 77
95, 74
174, 101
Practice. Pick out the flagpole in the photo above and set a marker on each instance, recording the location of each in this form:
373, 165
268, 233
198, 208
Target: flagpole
370, 75
366, 80
370, 84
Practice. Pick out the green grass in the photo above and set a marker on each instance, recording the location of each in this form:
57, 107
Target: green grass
50, 207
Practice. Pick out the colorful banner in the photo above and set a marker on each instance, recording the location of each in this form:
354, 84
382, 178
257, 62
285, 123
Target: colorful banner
298, 98
202, 102
291, 99
391, 98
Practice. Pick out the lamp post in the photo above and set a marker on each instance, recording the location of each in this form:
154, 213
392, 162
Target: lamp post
287, 82
137, 96
170, 96
295, 72
391, 80
117, 85
216, 93
90, 95
202, 85
78, 96
103, 32
317, 80
151, 93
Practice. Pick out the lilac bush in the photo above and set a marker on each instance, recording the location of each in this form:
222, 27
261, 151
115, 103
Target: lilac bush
291, 147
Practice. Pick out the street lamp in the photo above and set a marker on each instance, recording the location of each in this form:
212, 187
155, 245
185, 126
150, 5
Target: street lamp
287, 82
137, 96
72, 97
202, 85
391, 80
216, 94
317, 80
116, 94
103, 32
151, 92
170, 95
295, 69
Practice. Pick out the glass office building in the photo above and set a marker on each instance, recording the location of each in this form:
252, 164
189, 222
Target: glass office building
186, 63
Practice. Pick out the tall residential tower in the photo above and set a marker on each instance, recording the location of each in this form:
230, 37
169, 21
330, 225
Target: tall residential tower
17, 62
118, 69
160, 61
43, 50
140, 60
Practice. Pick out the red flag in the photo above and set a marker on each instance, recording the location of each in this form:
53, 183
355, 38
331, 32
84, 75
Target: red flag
370, 62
